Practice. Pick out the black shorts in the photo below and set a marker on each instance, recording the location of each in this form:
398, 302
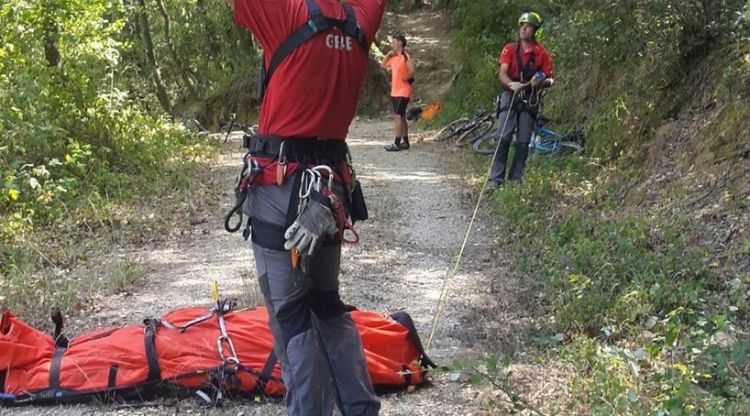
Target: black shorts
399, 105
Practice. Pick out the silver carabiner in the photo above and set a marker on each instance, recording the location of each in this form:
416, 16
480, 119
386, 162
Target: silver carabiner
328, 170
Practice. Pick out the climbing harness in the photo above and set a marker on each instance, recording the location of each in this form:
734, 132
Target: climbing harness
450, 274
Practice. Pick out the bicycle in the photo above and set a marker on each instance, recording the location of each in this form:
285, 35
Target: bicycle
195, 127
234, 125
468, 130
543, 140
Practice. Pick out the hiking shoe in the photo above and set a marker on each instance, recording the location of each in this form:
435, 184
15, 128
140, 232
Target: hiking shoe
393, 147
492, 186
404, 146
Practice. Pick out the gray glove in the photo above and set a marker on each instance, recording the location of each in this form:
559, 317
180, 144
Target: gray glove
313, 223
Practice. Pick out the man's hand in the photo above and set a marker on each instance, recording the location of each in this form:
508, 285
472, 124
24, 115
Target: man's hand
516, 86
536, 83
230, 3
387, 56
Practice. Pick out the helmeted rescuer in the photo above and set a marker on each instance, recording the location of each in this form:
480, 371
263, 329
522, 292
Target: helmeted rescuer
401, 67
525, 68
302, 194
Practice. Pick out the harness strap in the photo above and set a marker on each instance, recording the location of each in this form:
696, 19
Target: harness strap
265, 234
317, 23
526, 71
302, 150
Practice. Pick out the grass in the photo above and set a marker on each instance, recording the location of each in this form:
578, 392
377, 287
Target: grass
643, 316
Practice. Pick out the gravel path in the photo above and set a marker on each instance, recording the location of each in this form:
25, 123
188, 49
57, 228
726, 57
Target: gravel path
419, 211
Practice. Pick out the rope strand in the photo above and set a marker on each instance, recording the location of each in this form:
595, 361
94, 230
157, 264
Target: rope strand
451, 274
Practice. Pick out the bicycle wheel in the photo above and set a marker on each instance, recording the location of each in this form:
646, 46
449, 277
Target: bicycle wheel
450, 130
569, 148
471, 135
486, 144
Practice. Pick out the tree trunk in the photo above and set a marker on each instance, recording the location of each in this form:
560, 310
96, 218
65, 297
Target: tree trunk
51, 35
184, 75
161, 90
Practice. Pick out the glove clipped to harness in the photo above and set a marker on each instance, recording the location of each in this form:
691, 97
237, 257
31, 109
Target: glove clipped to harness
313, 225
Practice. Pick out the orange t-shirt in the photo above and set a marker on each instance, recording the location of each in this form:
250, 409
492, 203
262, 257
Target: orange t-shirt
399, 71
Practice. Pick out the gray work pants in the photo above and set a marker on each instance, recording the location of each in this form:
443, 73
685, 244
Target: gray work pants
319, 347
523, 124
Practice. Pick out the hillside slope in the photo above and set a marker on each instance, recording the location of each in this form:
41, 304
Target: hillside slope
641, 249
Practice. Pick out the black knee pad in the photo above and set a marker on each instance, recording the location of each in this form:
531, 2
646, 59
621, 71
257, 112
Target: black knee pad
326, 303
294, 318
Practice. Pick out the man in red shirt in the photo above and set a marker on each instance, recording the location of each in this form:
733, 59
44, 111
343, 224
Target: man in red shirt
399, 63
525, 67
301, 192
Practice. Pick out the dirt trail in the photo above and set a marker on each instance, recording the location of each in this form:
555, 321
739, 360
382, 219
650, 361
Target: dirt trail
419, 211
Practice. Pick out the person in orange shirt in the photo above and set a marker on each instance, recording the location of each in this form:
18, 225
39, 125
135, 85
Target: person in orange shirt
399, 63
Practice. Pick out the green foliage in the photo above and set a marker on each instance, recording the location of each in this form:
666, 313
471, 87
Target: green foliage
80, 137
680, 370
652, 332
609, 59
651, 328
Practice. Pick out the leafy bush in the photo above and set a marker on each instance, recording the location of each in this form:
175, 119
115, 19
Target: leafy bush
77, 141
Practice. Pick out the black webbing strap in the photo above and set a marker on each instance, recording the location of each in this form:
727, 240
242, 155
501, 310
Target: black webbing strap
303, 150
527, 70
265, 234
54, 370
317, 23
407, 375
149, 330
265, 374
405, 320
60, 340
61, 345
112, 378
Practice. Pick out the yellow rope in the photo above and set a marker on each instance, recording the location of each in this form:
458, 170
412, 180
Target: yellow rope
451, 274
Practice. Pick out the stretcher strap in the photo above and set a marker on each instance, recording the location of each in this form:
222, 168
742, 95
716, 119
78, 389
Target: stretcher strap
154, 373
405, 320
54, 370
265, 374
